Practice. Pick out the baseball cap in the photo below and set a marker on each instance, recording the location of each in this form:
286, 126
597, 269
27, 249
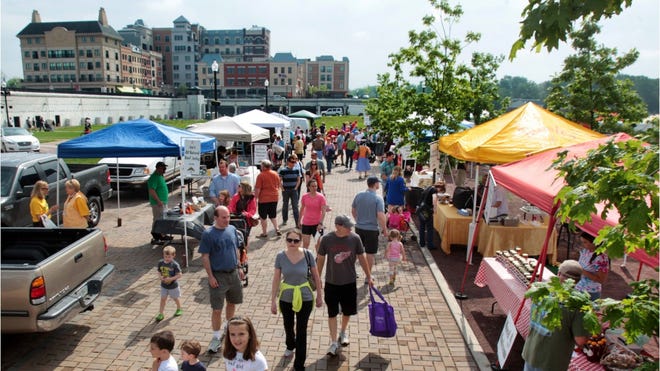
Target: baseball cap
160, 164
372, 180
570, 269
344, 221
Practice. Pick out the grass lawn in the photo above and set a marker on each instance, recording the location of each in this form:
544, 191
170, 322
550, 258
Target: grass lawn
336, 121
70, 132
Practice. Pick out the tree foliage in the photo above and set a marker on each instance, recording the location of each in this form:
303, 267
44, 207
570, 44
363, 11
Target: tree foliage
547, 22
587, 89
450, 90
518, 87
622, 176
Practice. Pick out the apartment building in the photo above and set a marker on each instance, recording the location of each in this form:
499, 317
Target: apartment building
226, 43
138, 34
286, 76
81, 55
141, 70
185, 48
327, 76
163, 45
205, 74
256, 46
245, 79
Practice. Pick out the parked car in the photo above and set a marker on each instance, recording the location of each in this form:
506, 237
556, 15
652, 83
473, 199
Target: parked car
49, 276
20, 171
135, 171
19, 139
333, 111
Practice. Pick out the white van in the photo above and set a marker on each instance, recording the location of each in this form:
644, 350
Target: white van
333, 111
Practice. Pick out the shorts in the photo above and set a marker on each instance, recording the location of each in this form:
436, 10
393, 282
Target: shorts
369, 240
344, 295
309, 230
268, 210
174, 293
229, 287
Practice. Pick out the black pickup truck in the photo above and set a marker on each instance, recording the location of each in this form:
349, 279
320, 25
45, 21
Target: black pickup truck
21, 170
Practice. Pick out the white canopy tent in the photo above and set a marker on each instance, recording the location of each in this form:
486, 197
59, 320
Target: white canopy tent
262, 119
227, 129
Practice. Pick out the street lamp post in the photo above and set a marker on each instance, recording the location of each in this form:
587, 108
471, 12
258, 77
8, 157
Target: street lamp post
214, 68
266, 85
5, 91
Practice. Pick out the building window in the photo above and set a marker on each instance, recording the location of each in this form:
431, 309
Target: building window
167, 49
42, 53
274, 69
97, 52
90, 65
274, 81
230, 70
167, 38
35, 55
92, 39
157, 37
27, 66
107, 66
226, 41
289, 82
117, 67
238, 51
98, 64
238, 40
290, 70
175, 67
35, 67
187, 67
43, 66
252, 70
26, 54
175, 58
226, 50
37, 40
107, 54
29, 41
241, 70
187, 58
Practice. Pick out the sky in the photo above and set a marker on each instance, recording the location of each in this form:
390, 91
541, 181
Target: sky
365, 31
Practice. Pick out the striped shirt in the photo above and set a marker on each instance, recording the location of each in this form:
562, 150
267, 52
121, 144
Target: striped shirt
289, 177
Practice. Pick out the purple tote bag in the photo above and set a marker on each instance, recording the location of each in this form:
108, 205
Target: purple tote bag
381, 316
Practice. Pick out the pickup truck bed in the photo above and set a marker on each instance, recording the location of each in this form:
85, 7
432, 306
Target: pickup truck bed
49, 275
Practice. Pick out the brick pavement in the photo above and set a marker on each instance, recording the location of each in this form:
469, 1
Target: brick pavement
115, 335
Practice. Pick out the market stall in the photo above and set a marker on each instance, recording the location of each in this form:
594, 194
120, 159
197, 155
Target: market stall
181, 224
529, 236
451, 226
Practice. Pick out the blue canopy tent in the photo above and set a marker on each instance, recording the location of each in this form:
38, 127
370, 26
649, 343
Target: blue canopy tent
135, 138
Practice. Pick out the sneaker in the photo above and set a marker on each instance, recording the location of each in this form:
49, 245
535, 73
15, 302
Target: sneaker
332, 351
160, 317
214, 345
343, 339
288, 353
178, 312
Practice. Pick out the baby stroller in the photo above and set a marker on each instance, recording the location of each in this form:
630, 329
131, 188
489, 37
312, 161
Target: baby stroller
400, 219
242, 226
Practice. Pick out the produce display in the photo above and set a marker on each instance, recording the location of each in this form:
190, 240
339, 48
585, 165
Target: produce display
620, 358
519, 265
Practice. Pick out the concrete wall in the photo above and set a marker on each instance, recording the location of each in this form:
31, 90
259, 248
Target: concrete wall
71, 109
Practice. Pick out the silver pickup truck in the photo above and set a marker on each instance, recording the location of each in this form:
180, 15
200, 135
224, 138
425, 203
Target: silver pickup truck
49, 275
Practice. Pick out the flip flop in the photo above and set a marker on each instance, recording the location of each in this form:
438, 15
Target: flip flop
263, 235
279, 233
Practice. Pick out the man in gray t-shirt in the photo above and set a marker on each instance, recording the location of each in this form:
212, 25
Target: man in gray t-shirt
342, 248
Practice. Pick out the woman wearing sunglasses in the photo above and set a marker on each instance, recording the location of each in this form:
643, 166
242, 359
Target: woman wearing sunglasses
292, 291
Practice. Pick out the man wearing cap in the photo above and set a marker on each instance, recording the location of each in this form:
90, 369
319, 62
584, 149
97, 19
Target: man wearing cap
545, 350
223, 181
158, 195
368, 209
342, 247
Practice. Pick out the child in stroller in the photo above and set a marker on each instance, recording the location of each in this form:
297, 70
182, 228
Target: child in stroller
400, 219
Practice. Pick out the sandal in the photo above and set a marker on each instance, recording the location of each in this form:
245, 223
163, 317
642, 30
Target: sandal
278, 232
263, 235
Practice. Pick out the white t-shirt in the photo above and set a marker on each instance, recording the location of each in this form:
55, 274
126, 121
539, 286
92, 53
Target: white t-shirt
240, 364
168, 365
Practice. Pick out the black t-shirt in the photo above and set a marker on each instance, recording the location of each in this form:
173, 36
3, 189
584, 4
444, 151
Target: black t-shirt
426, 199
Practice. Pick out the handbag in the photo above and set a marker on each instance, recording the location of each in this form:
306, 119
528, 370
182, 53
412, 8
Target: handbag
310, 279
356, 154
381, 316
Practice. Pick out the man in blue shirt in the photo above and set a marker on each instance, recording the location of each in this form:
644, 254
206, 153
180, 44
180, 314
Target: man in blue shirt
368, 210
223, 181
219, 247
290, 178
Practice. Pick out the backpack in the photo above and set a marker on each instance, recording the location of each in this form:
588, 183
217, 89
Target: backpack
463, 197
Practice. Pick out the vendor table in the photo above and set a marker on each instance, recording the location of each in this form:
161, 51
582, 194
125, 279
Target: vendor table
452, 227
507, 290
174, 223
579, 362
529, 237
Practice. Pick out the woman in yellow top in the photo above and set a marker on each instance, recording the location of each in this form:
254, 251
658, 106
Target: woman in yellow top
76, 211
38, 203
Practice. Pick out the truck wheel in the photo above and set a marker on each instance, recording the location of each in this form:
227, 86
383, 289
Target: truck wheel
94, 204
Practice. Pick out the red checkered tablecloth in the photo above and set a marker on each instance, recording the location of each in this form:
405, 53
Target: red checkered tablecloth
579, 362
507, 290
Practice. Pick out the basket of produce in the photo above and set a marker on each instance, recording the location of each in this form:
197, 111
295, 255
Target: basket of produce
620, 358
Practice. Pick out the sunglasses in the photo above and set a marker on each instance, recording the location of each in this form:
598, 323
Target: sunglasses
292, 240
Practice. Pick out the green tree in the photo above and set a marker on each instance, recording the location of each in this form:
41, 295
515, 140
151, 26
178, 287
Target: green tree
647, 89
444, 91
517, 87
548, 22
588, 91
622, 176
14, 83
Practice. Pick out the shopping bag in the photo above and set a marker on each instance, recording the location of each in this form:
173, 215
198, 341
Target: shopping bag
45, 220
381, 316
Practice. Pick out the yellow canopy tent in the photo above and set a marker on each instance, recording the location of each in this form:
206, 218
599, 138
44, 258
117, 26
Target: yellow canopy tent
515, 135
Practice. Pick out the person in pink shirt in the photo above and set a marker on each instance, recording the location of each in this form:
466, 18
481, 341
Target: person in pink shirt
312, 212
394, 253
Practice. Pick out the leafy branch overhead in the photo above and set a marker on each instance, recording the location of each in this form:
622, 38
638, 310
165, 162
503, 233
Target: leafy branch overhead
547, 22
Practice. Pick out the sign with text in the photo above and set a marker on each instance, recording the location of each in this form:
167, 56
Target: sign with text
507, 337
259, 153
434, 157
405, 152
191, 157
